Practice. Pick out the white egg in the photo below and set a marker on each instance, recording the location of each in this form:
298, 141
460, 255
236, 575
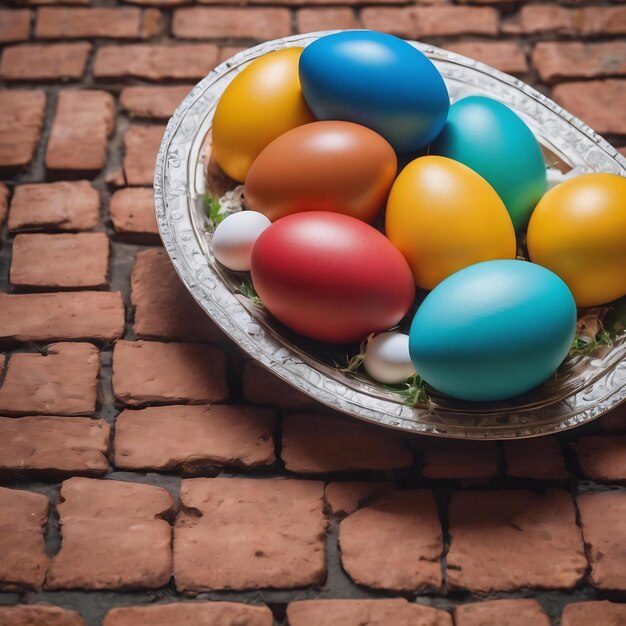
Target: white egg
387, 358
234, 237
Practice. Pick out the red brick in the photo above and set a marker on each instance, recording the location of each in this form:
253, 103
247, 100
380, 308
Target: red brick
312, 20
603, 519
615, 421
260, 386
39, 615
229, 51
23, 559
261, 533
153, 102
168, 373
346, 497
82, 124
599, 612
55, 206
193, 438
506, 56
364, 613
191, 614
141, 144
598, 103
602, 21
241, 23
97, 315
68, 445
573, 59
506, 540
501, 613
602, 459
395, 543
450, 459
4, 203
316, 443
182, 62
132, 214
60, 261
113, 536
161, 3
543, 18
164, 309
62, 382
540, 459
42, 2
21, 121
14, 25
44, 62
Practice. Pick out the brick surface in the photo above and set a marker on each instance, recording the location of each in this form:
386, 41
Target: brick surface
364, 613
501, 613
599, 612
61, 382
262, 387
23, 559
602, 459
503, 55
141, 144
21, 121
345, 497
540, 459
39, 615
113, 536
193, 438
55, 445
394, 543
586, 21
44, 62
316, 443
505, 540
132, 214
153, 102
603, 518
168, 373
14, 25
312, 20
450, 459
615, 421
4, 203
263, 533
82, 124
60, 261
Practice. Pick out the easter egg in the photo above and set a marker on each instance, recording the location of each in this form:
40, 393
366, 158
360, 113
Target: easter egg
490, 138
443, 217
387, 358
493, 331
323, 166
376, 80
262, 102
578, 231
234, 237
331, 277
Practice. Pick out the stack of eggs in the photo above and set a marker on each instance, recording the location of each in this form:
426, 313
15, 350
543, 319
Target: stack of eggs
317, 134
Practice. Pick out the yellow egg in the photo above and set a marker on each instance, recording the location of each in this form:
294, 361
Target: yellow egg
262, 102
443, 217
578, 230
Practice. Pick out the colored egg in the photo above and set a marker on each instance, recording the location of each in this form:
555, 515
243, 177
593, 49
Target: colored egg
323, 166
443, 216
387, 358
331, 277
493, 331
487, 136
262, 102
578, 231
376, 80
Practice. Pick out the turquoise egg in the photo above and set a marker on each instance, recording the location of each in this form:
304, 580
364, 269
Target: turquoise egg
488, 137
493, 330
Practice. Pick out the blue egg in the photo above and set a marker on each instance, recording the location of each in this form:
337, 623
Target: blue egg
376, 80
488, 137
493, 330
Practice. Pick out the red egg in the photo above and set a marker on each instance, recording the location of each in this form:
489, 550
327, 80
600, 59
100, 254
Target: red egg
331, 277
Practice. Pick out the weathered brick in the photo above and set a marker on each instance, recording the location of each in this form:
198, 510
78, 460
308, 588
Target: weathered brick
253, 23
44, 62
141, 144
229, 51
14, 25
599, 612
364, 613
161, 3
114, 536
132, 214
265, 533
506, 56
451, 459
599, 103
57, 445
23, 559
153, 102
43, 2
55, 206
602, 459
346, 497
586, 21
164, 309
501, 613
540, 459
82, 123
4, 203
312, 20
316, 443
181, 62
60, 261
168, 373
21, 121
43, 317
261, 387
505, 540
602, 517
395, 543
61, 382
192, 438
615, 420
39, 615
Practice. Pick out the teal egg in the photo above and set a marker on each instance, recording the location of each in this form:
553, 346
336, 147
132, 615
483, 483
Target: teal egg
491, 139
493, 330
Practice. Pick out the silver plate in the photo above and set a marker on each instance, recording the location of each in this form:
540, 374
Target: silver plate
585, 389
